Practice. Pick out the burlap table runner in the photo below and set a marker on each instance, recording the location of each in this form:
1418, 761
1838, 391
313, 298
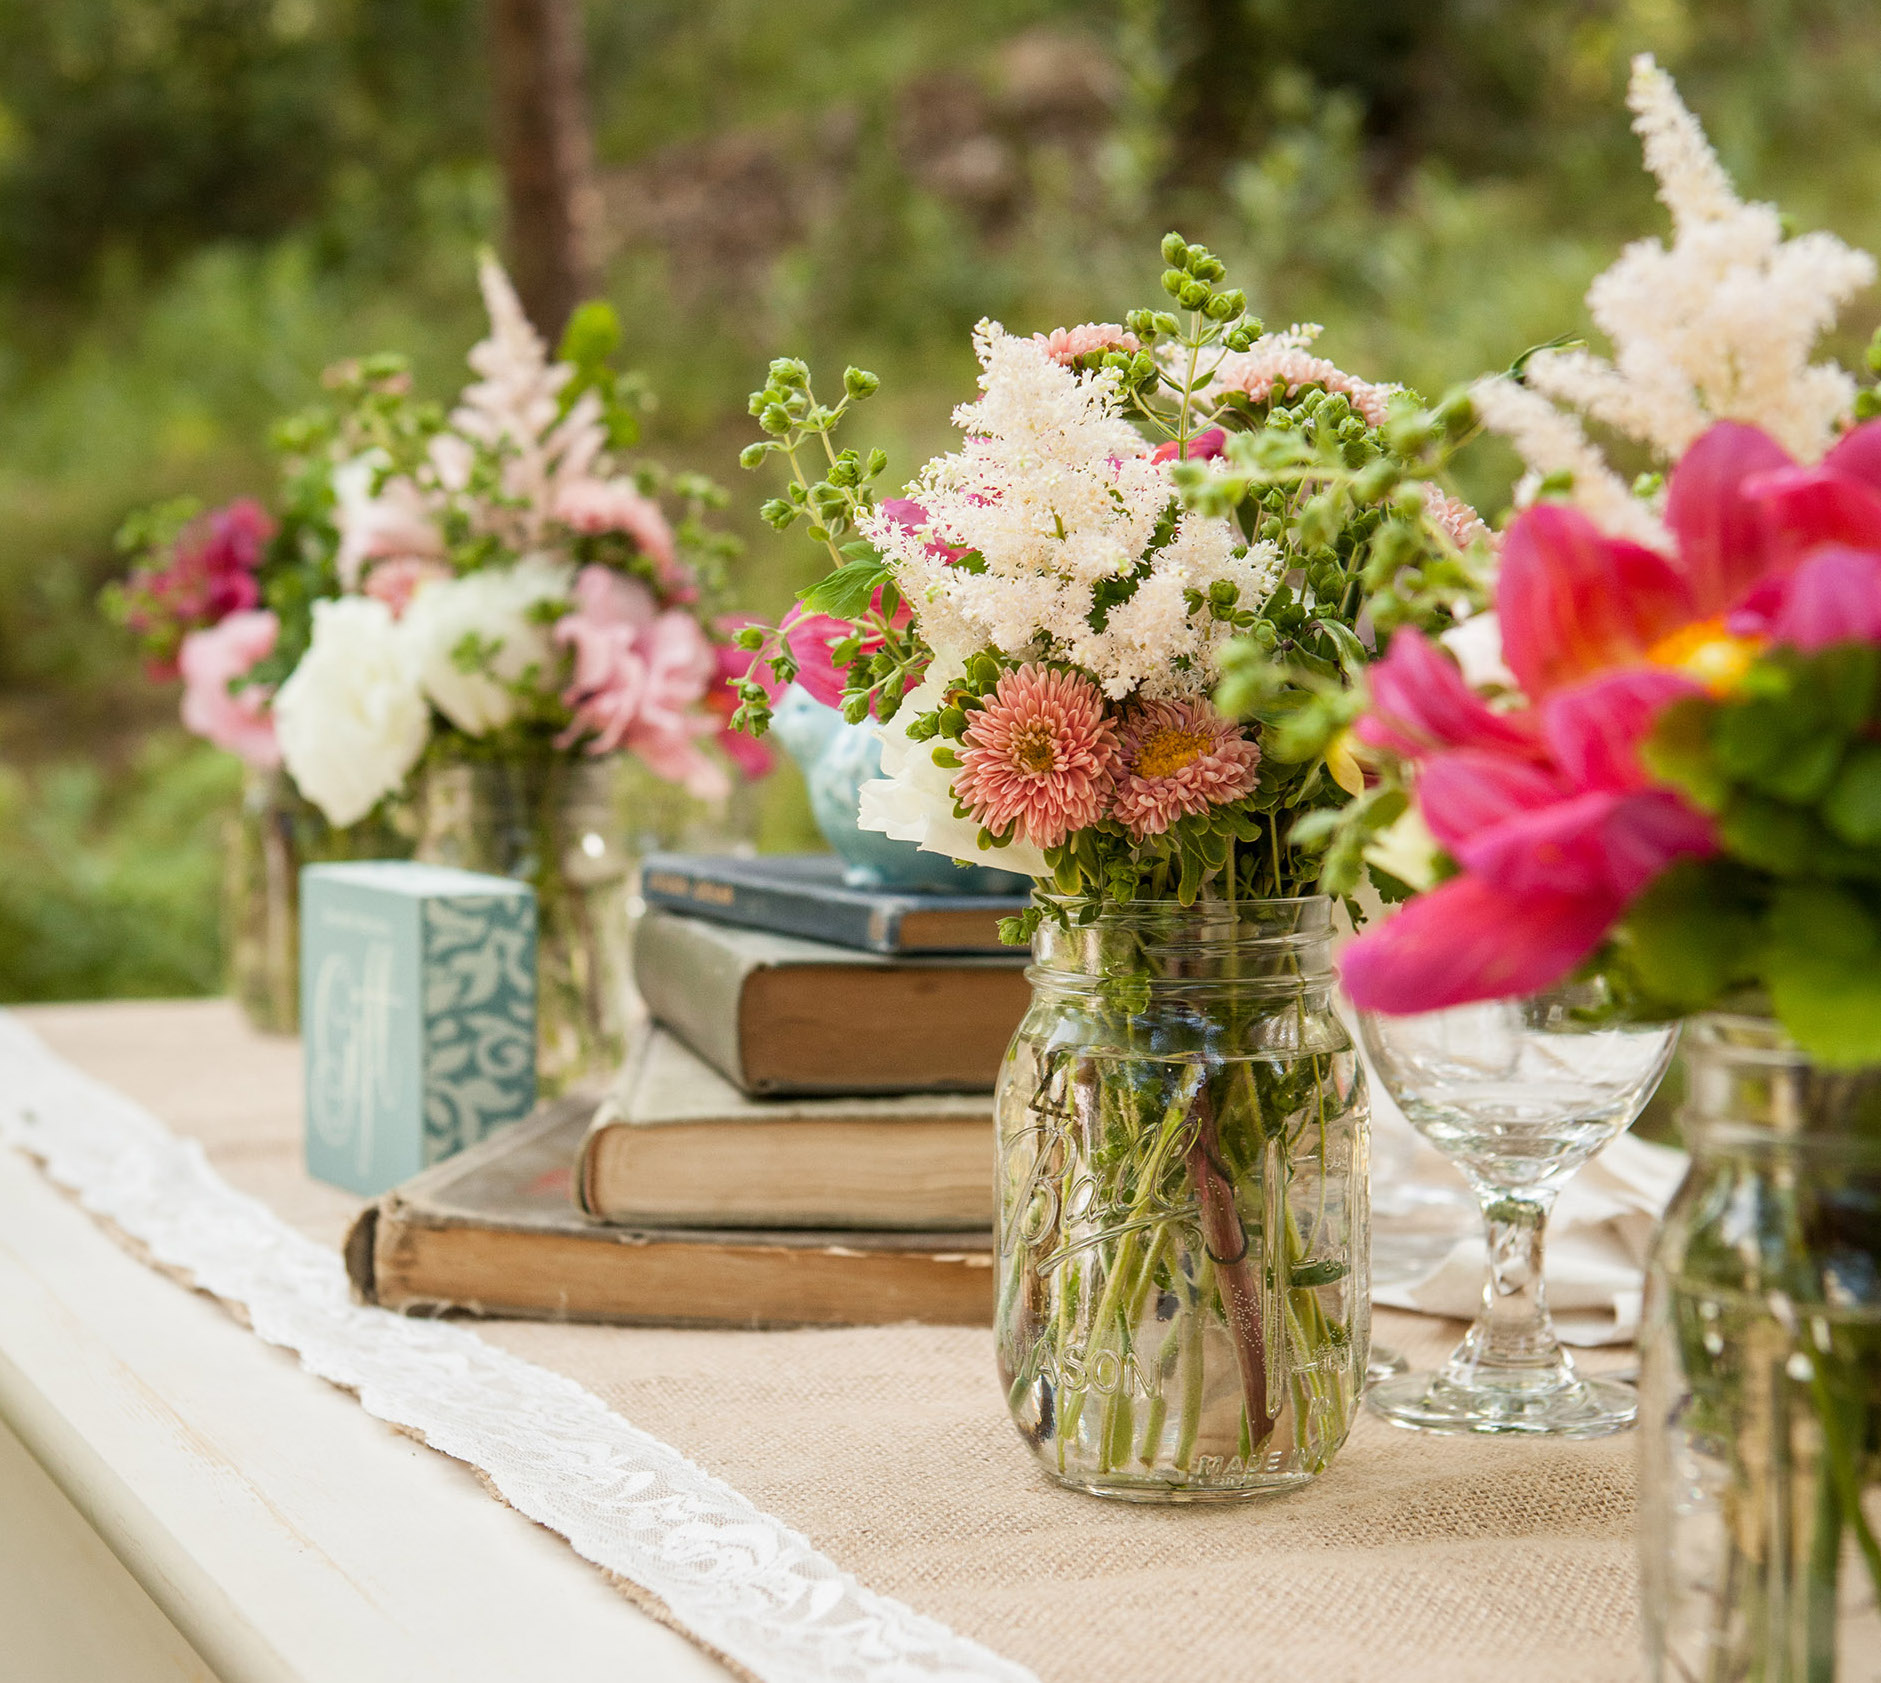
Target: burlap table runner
1417, 1559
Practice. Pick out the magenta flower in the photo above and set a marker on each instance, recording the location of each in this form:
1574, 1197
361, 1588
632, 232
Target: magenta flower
639, 680
810, 637
1548, 810
1176, 759
210, 661
210, 574
1038, 756
1203, 447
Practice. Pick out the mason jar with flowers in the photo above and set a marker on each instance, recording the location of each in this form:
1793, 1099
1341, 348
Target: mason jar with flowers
1037, 626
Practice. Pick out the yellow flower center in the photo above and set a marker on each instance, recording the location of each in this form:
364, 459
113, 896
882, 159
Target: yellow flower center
1033, 749
1168, 750
1707, 654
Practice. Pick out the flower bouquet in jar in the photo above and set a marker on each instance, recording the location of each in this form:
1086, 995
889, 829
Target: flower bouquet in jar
476, 615
1039, 626
1667, 779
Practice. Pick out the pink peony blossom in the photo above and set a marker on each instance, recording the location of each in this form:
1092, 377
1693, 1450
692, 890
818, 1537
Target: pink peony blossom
1203, 447
210, 575
1067, 344
616, 505
1039, 756
1175, 759
211, 660
641, 676
1548, 810
397, 581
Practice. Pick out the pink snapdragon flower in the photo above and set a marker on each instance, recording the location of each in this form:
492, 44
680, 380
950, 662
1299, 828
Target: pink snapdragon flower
593, 506
640, 678
210, 661
1066, 344
752, 758
397, 581
1176, 759
1548, 810
810, 637
210, 574
1038, 756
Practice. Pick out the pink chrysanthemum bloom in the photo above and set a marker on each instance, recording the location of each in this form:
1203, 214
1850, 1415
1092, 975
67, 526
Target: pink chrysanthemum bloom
1038, 756
1280, 362
1177, 758
1067, 344
1463, 524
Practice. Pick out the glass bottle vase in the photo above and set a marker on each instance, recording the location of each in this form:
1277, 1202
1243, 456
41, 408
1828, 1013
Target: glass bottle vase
1183, 1306
1761, 1373
271, 835
549, 819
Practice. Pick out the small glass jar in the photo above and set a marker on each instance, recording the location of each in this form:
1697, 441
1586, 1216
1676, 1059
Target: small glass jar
1183, 1305
549, 819
1760, 1373
272, 834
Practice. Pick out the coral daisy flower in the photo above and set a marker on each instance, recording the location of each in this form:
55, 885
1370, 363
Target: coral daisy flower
1039, 755
1178, 758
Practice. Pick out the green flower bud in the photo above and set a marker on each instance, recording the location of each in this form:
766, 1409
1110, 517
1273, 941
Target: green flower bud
1224, 593
860, 383
777, 513
878, 462
1194, 295
1867, 403
752, 455
1219, 308
925, 728
1174, 280
775, 419
1175, 250
1142, 323
750, 638
856, 709
789, 371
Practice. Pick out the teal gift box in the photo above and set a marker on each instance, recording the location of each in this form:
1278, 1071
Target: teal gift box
418, 1015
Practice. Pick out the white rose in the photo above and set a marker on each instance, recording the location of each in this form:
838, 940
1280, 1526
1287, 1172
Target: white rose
913, 799
492, 611
351, 720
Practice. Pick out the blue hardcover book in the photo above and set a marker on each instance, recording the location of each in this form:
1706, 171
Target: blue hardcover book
804, 894
418, 1016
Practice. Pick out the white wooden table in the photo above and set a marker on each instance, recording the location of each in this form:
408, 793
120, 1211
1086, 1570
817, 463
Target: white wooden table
180, 1501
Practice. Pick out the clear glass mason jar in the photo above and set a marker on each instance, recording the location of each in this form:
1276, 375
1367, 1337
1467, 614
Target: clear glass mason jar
1183, 1224
1760, 1373
551, 820
272, 834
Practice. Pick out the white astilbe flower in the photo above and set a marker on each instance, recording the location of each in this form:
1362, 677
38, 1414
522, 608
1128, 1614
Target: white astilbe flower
1550, 441
513, 410
1056, 493
1719, 325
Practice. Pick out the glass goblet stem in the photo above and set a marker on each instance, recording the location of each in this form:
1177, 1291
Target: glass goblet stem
1513, 1343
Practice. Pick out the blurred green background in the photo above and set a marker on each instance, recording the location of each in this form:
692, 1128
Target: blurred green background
204, 202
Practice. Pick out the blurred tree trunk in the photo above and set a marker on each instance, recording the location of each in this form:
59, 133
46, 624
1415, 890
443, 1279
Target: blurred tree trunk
547, 155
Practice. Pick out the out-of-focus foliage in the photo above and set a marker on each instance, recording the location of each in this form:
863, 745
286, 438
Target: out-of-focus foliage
204, 202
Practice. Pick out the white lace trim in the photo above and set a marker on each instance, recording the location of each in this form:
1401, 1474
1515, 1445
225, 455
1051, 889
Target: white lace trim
739, 1580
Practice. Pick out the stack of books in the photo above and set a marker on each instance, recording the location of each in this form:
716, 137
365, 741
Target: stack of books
803, 1135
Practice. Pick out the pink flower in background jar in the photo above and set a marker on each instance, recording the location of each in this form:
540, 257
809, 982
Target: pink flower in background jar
593, 506
397, 581
210, 661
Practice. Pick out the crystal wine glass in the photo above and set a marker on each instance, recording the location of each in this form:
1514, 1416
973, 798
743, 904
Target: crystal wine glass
1518, 1094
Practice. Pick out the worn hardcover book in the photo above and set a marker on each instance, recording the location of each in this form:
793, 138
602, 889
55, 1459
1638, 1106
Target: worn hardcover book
676, 1145
804, 894
494, 1232
776, 1014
